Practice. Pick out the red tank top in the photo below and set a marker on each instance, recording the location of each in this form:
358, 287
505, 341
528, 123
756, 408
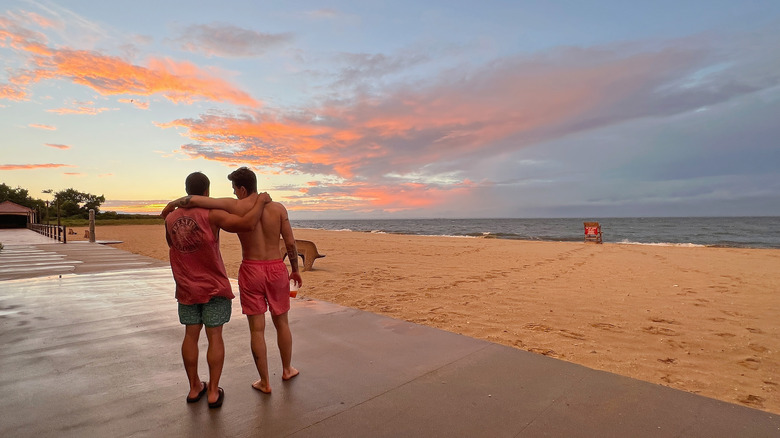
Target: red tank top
196, 262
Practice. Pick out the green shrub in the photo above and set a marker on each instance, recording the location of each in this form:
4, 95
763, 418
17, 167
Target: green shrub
121, 219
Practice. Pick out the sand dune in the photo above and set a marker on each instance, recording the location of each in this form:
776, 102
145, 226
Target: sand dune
703, 320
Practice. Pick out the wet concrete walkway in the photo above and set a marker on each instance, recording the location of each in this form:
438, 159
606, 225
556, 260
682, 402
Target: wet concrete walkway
23, 236
96, 354
29, 254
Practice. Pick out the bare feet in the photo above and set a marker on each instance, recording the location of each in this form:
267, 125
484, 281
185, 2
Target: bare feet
261, 386
288, 374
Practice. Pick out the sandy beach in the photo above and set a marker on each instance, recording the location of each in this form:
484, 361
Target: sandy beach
703, 320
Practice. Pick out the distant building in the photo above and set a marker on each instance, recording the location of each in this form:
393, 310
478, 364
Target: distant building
13, 215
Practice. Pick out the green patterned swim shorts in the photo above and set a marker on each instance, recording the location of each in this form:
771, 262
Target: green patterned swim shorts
213, 314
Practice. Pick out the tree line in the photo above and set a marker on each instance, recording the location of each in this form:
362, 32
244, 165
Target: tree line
71, 202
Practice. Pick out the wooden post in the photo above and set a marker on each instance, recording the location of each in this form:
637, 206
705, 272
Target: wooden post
92, 225
58, 221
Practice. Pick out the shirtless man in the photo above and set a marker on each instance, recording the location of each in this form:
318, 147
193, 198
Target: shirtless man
262, 280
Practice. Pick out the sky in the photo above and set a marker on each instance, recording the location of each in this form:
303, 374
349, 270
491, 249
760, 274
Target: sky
400, 109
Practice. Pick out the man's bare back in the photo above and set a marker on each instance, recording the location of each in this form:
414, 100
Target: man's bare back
263, 242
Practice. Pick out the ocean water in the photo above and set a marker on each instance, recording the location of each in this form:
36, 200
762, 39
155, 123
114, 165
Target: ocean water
736, 232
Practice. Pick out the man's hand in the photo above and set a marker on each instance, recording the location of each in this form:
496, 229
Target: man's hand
265, 197
257, 209
181, 202
168, 209
296, 276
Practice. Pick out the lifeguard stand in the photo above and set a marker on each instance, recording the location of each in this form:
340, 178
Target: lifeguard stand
593, 232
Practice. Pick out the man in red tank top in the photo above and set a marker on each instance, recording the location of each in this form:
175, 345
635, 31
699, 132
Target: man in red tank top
202, 286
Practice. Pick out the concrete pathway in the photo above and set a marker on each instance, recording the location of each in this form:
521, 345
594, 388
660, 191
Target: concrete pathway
23, 236
24, 261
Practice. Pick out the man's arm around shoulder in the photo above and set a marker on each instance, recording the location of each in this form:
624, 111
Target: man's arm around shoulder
193, 201
238, 224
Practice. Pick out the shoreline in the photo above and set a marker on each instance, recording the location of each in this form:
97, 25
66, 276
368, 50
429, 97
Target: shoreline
573, 240
722, 232
755, 232
699, 319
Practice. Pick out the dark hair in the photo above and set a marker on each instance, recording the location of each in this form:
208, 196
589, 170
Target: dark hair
243, 177
196, 184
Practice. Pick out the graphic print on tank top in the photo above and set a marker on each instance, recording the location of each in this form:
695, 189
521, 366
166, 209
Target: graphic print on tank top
186, 235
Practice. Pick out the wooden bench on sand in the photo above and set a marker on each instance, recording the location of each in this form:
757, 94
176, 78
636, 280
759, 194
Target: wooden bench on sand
307, 250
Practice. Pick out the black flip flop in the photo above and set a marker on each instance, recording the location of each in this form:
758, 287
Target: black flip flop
219, 401
200, 394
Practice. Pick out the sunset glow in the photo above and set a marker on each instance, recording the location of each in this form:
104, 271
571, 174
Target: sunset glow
514, 115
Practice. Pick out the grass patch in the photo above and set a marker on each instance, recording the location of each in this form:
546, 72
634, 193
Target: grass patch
145, 221
80, 222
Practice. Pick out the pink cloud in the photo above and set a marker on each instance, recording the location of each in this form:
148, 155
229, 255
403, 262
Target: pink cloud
41, 21
72, 173
10, 92
180, 82
12, 34
31, 166
58, 146
427, 130
40, 126
506, 106
366, 197
87, 108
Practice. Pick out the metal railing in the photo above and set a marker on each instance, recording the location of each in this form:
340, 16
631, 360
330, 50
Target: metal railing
54, 231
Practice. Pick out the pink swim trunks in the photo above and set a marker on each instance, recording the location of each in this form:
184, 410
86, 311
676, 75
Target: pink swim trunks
264, 284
